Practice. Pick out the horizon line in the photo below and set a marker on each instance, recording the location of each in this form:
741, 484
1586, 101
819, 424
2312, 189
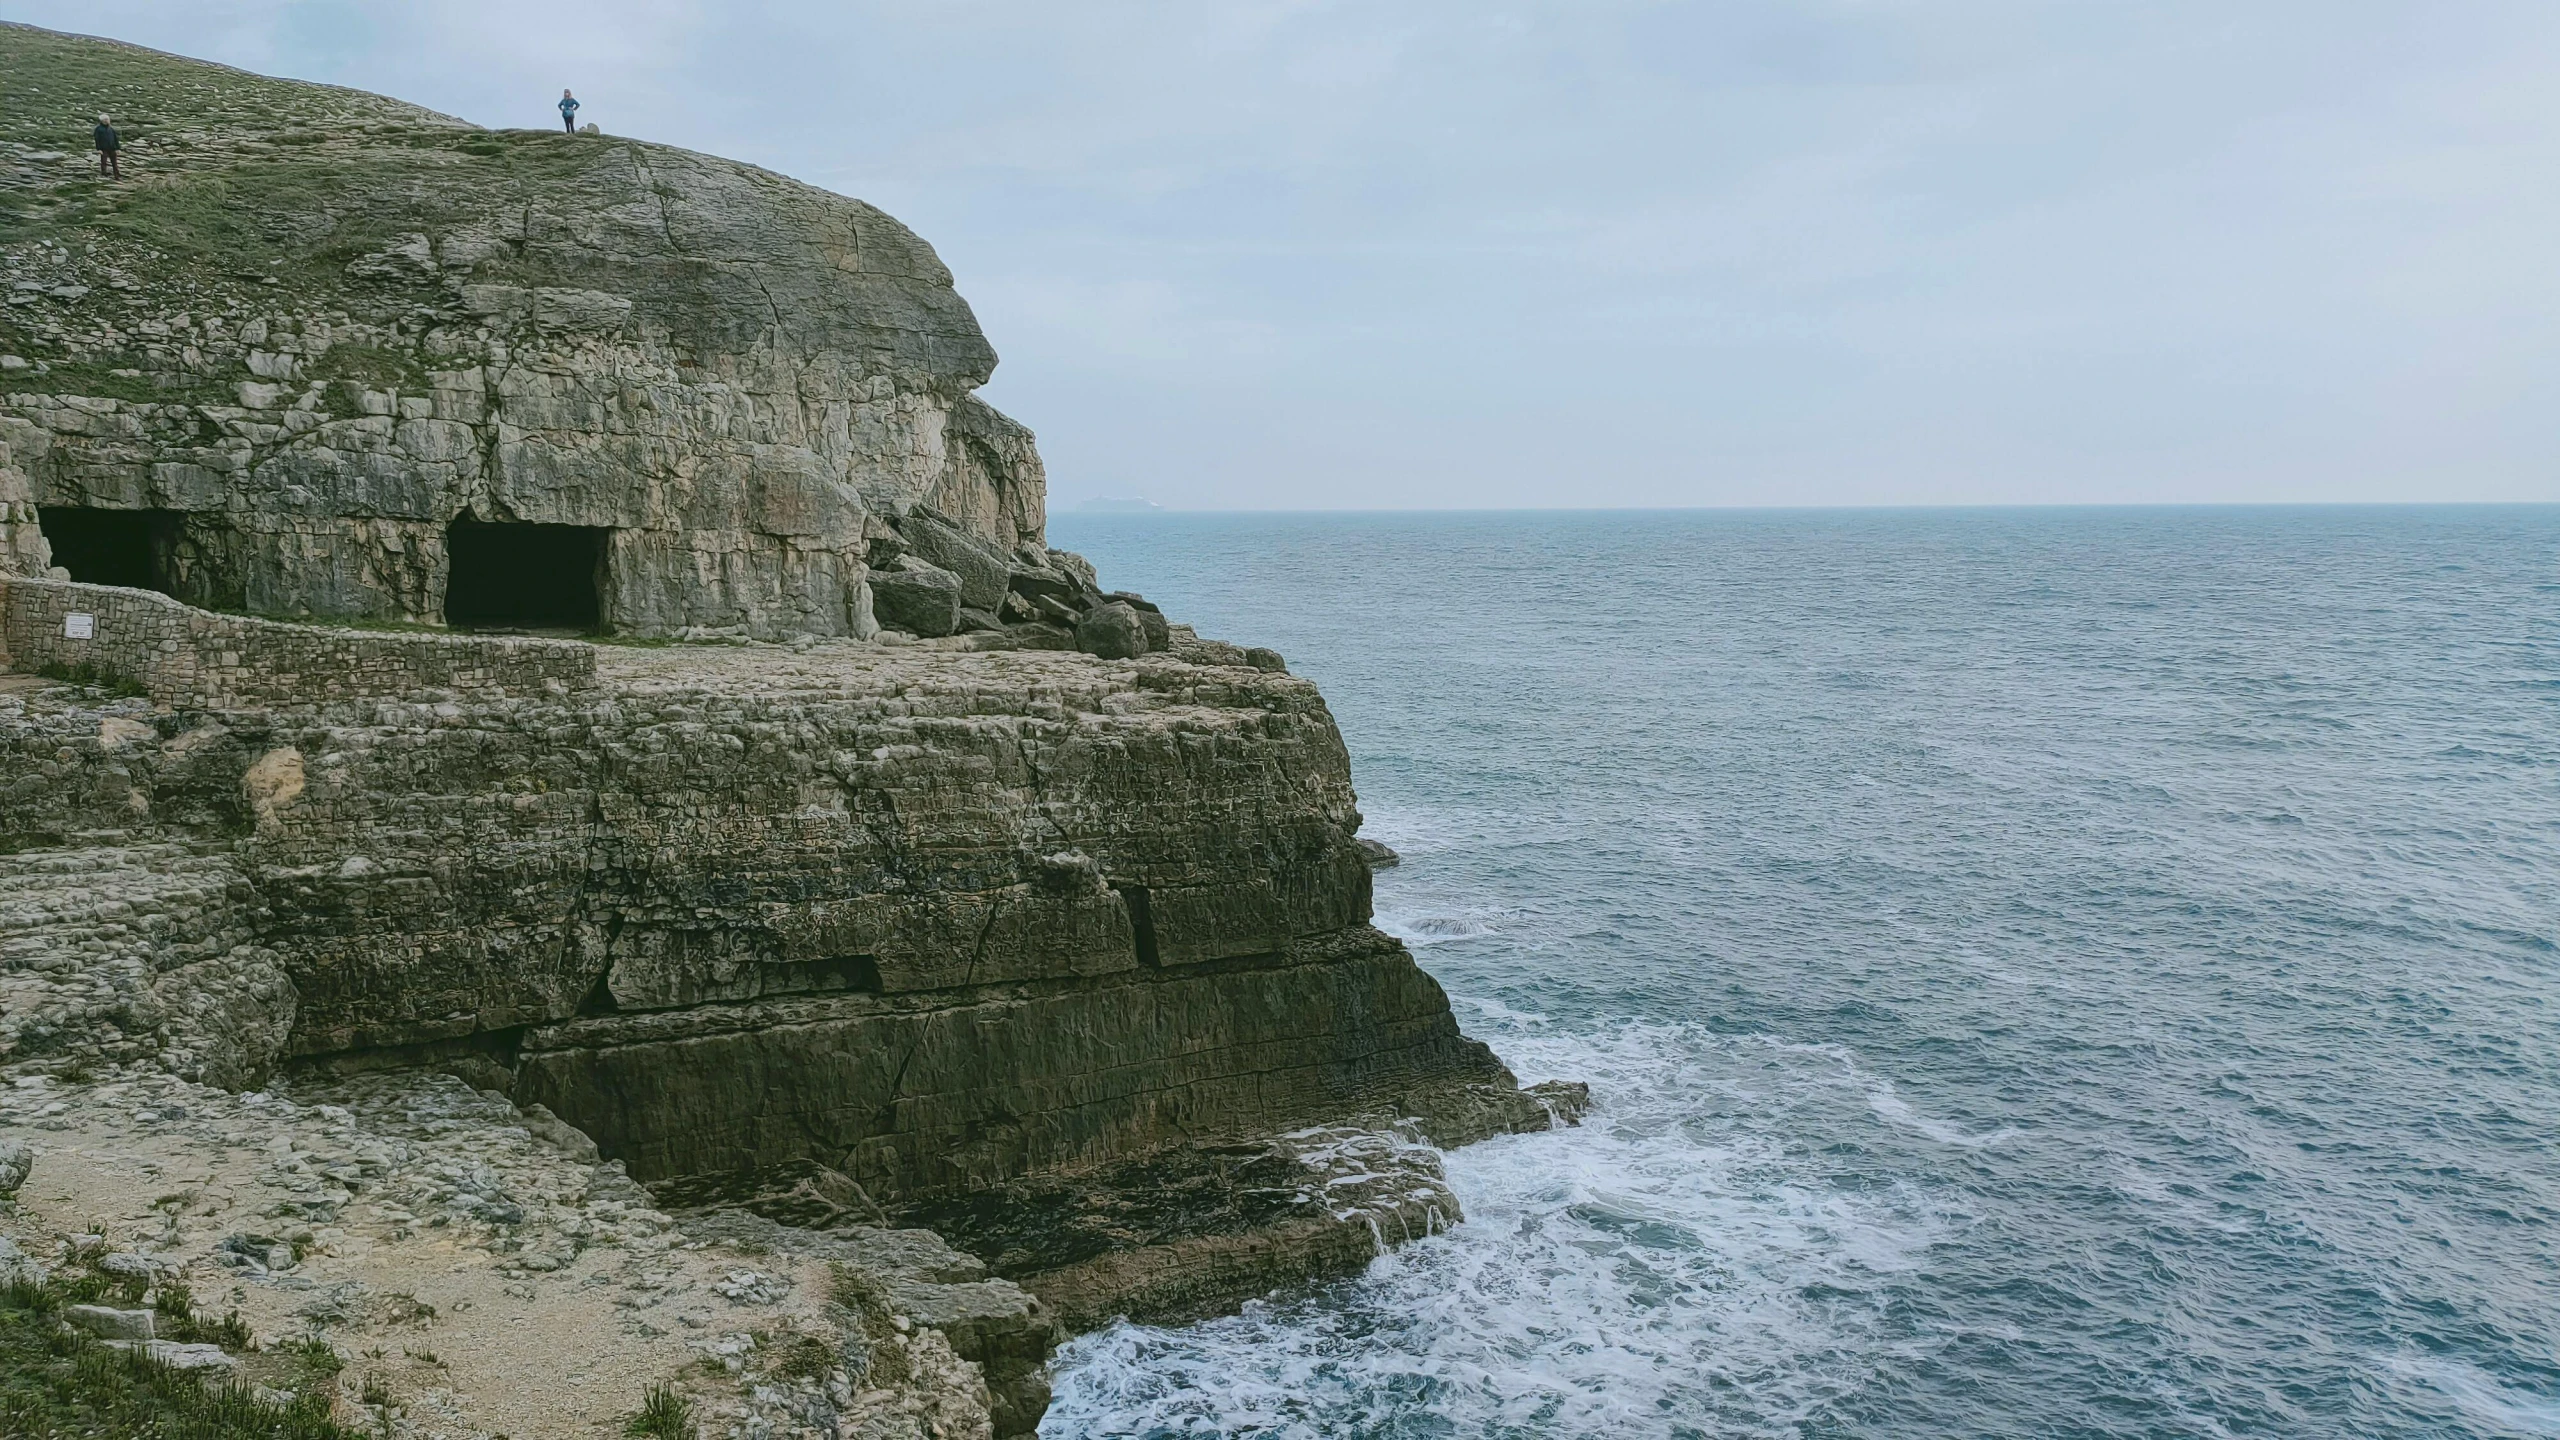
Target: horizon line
1160, 509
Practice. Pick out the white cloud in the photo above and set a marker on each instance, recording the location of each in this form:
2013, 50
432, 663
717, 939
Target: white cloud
1635, 251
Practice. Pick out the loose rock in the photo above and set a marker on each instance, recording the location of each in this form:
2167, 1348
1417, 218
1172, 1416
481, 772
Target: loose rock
1111, 631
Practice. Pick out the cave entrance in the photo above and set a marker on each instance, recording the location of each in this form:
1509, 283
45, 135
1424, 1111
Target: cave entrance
111, 547
507, 576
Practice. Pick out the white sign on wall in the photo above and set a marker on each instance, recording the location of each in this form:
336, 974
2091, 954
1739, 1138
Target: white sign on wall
76, 626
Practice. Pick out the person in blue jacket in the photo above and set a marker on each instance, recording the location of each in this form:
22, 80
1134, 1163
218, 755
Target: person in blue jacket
568, 112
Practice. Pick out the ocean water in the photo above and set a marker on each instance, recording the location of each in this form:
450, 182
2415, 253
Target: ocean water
2042, 973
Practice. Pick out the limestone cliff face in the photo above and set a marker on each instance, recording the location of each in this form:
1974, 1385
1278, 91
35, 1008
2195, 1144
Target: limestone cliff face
315, 327
934, 919
1038, 920
22, 547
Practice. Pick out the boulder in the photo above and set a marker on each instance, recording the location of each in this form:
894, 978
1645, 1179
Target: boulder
108, 1323
1056, 584
16, 1159
16, 1264
182, 1357
985, 572
1377, 854
918, 598
559, 1134
1262, 658
973, 621
133, 1266
1159, 631
1077, 568
1112, 631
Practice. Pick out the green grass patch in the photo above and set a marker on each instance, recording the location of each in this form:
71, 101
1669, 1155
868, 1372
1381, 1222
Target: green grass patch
663, 1415
96, 375
93, 677
347, 371
58, 1384
374, 367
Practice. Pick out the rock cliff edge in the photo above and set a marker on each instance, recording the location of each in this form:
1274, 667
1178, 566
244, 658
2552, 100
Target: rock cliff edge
939, 954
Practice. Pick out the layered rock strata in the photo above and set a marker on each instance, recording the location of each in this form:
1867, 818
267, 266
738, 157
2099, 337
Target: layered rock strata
957, 892
948, 933
315, 329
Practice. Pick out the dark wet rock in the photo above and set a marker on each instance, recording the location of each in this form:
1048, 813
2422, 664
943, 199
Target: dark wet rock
1377, 854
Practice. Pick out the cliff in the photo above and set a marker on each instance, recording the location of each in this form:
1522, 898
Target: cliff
314, 328
872, 1004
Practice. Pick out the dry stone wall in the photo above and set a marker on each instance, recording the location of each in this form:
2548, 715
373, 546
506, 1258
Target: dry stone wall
193, 658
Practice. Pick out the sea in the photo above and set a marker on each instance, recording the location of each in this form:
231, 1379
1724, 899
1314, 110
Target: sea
2040, 972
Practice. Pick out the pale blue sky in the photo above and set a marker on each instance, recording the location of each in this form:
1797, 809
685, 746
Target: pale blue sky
1289, 253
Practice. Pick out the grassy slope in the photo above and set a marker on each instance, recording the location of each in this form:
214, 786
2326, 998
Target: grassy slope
56, 1382
240, 191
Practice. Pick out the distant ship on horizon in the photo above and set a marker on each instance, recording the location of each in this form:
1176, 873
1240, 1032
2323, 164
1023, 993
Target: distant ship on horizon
1132, 505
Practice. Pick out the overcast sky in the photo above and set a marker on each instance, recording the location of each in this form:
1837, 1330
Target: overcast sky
1294, 253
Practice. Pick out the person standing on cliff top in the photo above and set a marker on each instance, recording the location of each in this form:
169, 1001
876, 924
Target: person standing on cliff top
109, 142
568, 112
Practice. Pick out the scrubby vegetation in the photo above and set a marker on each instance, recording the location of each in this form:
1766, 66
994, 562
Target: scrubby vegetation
57, 1383
664, 1415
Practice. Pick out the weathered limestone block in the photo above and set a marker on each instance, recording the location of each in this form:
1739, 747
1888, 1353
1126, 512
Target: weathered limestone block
1112, 631
984, 570
22, 545
919, 598
922, 822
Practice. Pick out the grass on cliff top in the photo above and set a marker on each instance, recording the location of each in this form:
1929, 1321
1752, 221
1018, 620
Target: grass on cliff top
57, 1383
246, 176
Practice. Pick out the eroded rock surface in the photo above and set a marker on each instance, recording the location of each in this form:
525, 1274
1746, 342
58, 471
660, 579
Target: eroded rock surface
314, 328
371, 975
475, 1280
1066, 956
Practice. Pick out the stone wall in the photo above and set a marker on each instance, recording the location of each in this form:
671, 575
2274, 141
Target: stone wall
195, 659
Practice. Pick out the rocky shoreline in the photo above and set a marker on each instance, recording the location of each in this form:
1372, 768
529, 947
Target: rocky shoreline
567, 846
176, 909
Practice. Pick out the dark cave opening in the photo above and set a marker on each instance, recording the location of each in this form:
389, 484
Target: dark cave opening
524, 577
111, 547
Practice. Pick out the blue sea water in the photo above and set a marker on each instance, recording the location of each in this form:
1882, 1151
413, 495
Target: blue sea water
2042, 973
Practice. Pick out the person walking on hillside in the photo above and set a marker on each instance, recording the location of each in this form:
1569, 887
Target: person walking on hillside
568, 112
109, 142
